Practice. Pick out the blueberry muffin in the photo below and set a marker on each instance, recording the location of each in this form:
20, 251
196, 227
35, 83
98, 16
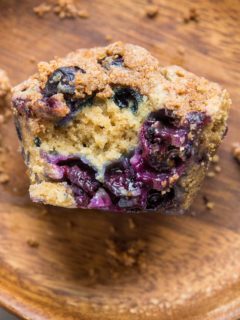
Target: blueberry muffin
109, 128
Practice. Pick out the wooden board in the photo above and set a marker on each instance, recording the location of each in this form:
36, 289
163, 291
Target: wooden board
106, 266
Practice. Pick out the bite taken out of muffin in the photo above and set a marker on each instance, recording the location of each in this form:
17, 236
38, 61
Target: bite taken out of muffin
110, 128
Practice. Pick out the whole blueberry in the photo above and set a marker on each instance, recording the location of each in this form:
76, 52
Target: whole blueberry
62, 81
125, 97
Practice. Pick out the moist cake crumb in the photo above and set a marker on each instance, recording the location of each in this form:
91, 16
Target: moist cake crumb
236, 151
151, 11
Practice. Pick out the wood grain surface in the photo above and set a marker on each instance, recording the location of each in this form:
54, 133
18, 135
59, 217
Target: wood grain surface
71, 264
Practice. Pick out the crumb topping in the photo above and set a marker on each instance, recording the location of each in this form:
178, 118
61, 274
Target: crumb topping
177, 88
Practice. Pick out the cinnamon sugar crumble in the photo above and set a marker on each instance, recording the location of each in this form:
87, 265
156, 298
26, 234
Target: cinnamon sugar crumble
151, 11
236, 151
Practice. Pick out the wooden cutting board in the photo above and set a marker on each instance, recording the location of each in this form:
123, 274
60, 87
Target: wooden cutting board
72, 264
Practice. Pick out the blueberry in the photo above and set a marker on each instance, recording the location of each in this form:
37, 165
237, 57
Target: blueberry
200, 119
157, 200
121, 181
81, 197
62, 81
82, 179
75, 106
37, 142
125, 97
116, 61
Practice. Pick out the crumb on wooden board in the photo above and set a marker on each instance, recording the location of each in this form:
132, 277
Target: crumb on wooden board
64, 9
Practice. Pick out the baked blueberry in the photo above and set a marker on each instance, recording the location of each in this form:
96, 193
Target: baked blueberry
127, 98
62, 81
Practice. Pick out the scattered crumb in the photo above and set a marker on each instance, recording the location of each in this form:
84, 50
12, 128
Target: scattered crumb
154, 301
151, 11
112, 229
63, 9
210, 205
32, 243
236, 151
84, 14
42, 9
4, 178
181, 50
217, 169
108, 37
131, 224
33, 59
192, 16
68, 9
70, 224
92, 273
215, 159
211, 174
126, 253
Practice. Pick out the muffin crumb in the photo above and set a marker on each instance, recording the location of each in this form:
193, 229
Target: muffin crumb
217, 169
151, 11
192, 16
68, 9
42, 9
126, 253
210, 205
211, 174
131, 224
33, 243
4, 178
108, 37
